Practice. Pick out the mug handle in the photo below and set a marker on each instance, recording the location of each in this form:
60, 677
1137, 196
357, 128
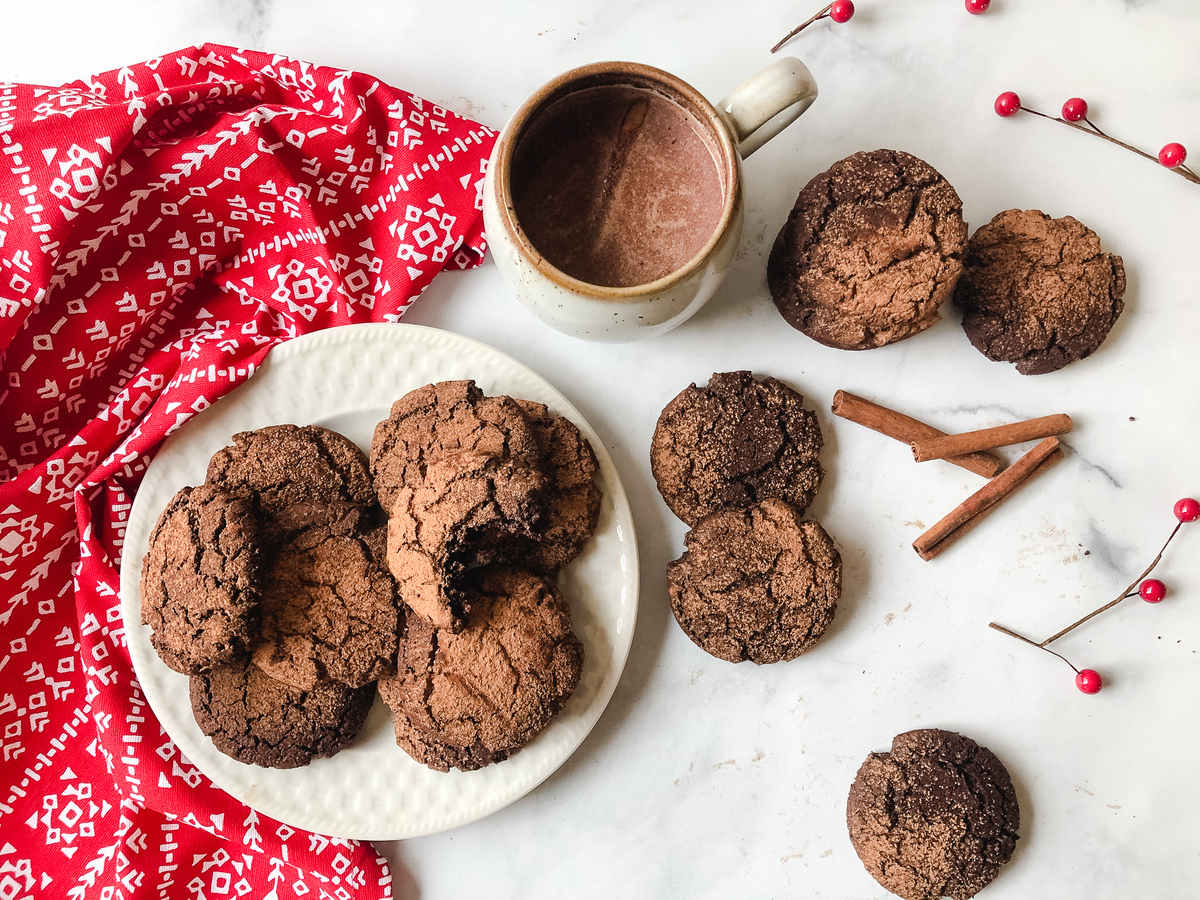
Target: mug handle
760, 108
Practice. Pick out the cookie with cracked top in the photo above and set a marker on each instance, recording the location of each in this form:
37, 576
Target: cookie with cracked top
870, 251
201, 580
436, 420
756, 583
469, 509
297, 476
734, 442
574, 505
935, 817
1037, 291
470, 699
330, 610
261, 721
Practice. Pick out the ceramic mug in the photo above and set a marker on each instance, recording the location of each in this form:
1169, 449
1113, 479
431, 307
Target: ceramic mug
575, 171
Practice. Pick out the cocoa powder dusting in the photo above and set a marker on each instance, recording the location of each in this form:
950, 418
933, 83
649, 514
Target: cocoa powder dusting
870, 251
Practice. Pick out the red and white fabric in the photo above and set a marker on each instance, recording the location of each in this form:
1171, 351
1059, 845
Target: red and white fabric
162, 226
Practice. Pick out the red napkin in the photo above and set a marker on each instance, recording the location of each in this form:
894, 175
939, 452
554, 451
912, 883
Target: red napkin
163, 226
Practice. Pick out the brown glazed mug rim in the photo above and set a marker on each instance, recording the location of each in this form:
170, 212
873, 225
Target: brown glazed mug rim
637, 75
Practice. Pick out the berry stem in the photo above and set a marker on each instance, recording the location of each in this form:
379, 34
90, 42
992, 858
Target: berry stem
799, 28
1130, 591
1182, 171
1021, 637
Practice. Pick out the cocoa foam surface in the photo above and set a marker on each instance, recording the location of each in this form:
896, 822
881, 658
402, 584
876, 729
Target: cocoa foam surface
617, 185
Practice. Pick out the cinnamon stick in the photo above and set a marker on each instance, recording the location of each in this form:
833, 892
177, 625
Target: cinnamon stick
987, 438
971, 511
907, 429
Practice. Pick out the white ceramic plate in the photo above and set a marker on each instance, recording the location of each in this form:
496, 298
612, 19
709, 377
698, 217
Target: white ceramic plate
346, 379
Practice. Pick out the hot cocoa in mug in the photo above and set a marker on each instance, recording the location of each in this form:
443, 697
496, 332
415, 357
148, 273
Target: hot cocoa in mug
613, 202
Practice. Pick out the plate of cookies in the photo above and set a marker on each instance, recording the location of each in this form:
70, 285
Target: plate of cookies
385, 587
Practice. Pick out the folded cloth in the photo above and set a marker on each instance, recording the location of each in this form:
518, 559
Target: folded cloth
162, 226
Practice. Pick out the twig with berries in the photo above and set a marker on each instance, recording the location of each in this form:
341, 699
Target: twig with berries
1149, 589
1075, 112
842, 10
839, 10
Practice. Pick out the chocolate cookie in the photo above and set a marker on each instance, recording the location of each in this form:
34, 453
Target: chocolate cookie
329, 612
200, 580
936, 817
869, 252
297, 475
261, 721
1038, 291
465, 511
574, 508
735, 442
469, 699
756, 584
439, 419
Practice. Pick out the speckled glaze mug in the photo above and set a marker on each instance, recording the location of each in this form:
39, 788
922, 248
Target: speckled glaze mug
613, 201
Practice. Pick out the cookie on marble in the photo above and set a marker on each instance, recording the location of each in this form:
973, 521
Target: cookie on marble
574, 498
439, 419
261, 721
735, 442
470, 699
755, 584
870, 251
297, 476
330, 610
467, 510
1038, 292
201, 580
935, 817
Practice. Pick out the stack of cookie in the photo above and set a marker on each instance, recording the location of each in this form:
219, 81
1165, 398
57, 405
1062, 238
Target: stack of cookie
267, 586
300, 575
737, 461
488, 497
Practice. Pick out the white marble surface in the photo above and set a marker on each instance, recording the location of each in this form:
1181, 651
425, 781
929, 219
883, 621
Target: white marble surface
709, 780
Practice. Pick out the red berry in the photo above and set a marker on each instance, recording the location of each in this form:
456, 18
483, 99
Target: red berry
1075, 109
1007, 104
1088, 681
1172, 155
1187, 510
976, 7
841, 11
1152, 590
